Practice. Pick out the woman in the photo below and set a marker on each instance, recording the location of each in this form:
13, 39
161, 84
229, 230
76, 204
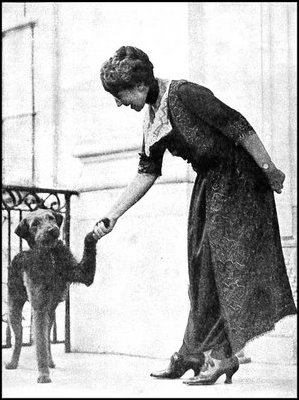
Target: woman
238, 281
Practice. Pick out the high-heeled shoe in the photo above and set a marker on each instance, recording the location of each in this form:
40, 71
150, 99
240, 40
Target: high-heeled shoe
179, 365
210, 372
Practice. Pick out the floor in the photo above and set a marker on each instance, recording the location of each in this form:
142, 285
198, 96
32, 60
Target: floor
84, 375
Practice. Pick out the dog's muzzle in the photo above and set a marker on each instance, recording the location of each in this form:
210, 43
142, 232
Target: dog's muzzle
48, 238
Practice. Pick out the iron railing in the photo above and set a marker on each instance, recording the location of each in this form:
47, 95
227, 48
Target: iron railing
16, 202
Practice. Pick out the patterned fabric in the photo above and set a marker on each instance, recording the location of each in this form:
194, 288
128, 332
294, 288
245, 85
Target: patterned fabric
236, 267
156, 123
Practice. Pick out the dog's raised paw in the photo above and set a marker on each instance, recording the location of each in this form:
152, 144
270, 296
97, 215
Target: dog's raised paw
44, 379
90, 239
11, 365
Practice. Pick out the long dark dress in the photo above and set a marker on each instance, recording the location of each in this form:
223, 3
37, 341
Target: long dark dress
239, 286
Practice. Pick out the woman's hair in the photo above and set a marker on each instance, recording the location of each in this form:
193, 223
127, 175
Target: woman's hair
128, 67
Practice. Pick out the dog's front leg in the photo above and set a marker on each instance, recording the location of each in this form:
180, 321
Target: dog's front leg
41, 323
39, 299
51, 322
84, 271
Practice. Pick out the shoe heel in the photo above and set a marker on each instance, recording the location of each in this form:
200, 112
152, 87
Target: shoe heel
198, 364
228, 379
196, 369
229, 374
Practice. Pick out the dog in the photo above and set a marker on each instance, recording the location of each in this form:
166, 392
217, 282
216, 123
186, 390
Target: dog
42, 275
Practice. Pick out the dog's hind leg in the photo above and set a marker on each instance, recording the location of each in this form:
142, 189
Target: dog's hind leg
15, 322
41, 326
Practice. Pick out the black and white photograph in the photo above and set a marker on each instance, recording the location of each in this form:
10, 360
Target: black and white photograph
149, 200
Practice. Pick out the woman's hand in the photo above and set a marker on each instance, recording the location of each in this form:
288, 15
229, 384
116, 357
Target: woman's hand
275, 178
103, 226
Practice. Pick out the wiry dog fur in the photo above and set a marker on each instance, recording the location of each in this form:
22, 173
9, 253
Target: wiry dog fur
42, 276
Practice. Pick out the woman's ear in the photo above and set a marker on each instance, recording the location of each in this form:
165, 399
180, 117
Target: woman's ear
142, 87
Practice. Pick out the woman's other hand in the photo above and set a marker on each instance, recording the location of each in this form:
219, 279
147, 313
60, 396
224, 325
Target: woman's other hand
276, 179
103, 226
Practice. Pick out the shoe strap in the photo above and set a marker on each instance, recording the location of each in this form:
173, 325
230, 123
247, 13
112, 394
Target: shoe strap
176, 357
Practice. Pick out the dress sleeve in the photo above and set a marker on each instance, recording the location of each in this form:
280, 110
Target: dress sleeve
151, 164
203, 104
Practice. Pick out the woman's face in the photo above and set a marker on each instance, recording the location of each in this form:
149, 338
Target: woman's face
135, 97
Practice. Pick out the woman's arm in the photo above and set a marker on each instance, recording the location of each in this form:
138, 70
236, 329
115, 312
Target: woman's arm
254, 146
133, 192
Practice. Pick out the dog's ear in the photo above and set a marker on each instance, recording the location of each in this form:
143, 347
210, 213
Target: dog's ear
58, 217
22, 230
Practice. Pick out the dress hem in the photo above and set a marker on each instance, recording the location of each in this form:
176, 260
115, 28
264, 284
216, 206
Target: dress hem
266, 330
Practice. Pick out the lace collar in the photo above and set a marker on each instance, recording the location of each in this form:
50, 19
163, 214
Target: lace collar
156, 122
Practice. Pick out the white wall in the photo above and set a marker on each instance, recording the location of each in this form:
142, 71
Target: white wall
19, 149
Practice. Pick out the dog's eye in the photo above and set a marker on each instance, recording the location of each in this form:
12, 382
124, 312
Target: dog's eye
35, 223
51, 218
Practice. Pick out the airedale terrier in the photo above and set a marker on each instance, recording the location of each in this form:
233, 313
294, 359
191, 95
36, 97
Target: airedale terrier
42, 275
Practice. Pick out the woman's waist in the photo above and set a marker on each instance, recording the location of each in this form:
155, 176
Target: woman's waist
207, 162
201, 155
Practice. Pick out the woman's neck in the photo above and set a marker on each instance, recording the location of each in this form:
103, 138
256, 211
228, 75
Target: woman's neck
153, 93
